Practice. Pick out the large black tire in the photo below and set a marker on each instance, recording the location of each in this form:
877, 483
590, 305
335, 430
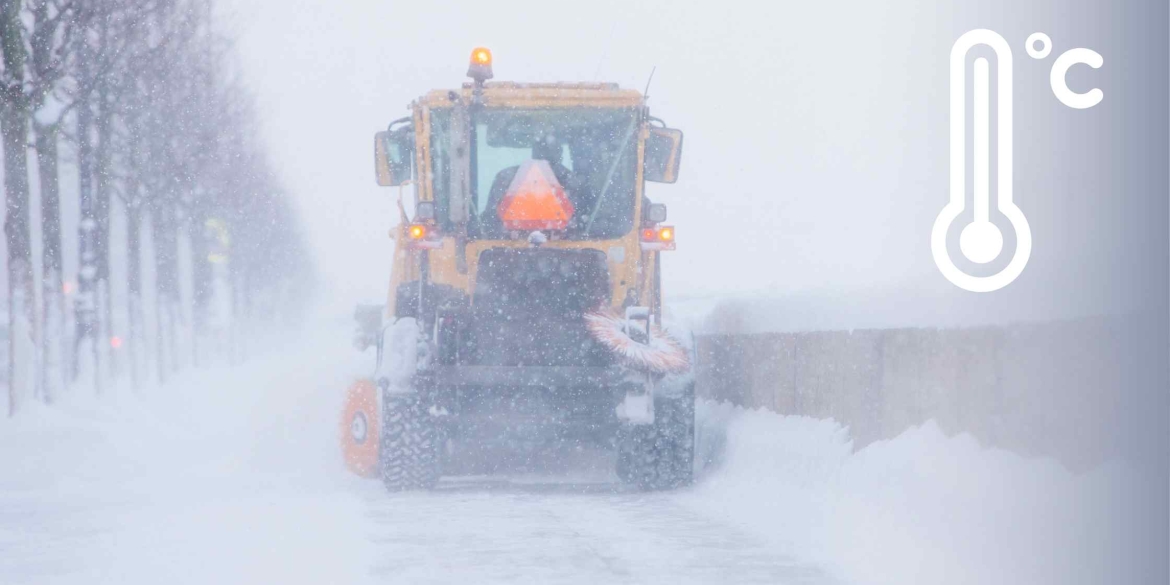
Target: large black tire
660, 456
410, 444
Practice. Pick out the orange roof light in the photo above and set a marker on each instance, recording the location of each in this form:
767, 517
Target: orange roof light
480, 68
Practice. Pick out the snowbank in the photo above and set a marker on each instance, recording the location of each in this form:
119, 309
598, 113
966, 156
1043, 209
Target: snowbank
920, 508
222, 475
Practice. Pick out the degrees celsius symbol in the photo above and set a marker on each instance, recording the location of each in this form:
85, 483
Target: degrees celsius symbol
981, 241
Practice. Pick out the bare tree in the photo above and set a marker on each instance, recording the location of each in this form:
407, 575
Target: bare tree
144, 90
34, 59
51, 50
14, 114
107, 34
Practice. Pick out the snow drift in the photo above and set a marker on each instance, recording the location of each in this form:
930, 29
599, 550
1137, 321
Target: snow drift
223, 475
920, 508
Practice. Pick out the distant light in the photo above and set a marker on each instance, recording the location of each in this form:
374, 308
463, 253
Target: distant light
67, 288
666, 234
115, 342
417, 232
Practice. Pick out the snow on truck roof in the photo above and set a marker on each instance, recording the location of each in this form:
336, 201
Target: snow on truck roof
518, 94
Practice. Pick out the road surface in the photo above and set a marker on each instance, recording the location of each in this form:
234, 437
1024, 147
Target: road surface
505, 532
233, 475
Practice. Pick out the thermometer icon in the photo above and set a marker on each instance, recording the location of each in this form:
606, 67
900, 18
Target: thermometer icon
981, 241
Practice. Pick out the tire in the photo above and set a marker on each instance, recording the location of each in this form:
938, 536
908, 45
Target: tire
409, 448
660, 456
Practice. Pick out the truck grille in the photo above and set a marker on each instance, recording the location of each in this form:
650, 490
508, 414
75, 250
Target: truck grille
529, 307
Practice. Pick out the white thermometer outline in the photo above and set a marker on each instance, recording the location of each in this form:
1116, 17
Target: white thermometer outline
981, 241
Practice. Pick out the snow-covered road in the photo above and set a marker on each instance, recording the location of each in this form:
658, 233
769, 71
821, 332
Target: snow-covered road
232, 475
481, 531
555, 533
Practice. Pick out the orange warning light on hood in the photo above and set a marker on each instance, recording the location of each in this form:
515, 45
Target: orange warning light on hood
535, 200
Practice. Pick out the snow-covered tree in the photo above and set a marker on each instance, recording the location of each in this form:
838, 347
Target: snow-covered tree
142, 93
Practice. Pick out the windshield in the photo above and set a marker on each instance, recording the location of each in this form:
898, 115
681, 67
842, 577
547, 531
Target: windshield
591, 151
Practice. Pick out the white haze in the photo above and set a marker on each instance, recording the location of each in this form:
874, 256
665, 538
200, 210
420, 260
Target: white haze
815, 151
759, 97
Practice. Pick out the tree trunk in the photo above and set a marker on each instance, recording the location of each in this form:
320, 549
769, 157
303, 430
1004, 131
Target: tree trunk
103, 153
243, 315
201, 281
55, 345
85, 304
134, 288
167, 285
14, 115
22, 317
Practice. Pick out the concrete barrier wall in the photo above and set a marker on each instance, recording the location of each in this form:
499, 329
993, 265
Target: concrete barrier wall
1038, 389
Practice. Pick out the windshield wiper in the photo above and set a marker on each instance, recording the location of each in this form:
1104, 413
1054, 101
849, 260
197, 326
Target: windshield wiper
609, 175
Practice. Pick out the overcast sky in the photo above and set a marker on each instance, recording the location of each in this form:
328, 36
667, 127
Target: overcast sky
816, 145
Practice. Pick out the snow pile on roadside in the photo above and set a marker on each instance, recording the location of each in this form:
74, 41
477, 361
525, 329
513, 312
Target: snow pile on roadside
920, 508
222, 475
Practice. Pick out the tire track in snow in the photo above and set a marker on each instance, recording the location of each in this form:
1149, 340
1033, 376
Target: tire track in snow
562, 533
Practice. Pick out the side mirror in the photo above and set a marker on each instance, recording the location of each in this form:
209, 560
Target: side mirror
369, 326
655, 213
662, 155
393, 153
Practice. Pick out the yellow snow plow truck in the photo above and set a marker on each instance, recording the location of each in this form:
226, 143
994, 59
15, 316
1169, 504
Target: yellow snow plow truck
525, 302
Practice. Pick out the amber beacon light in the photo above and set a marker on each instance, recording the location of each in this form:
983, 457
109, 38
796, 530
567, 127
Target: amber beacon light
481, 64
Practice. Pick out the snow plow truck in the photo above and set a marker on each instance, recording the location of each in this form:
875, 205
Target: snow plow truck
525, 302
